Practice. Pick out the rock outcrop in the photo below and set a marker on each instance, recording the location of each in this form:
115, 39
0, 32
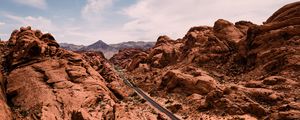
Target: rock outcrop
47, 82
5, 112
40, 80
195, 82
113, 81
228, 69
124, 57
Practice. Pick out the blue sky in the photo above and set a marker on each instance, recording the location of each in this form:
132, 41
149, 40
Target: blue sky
114, 21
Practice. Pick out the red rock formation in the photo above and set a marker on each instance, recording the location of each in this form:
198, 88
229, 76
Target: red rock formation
5, 112
124, 57
46, 82
237, 69
273, 48
42, 81
108, 72
227, 31
195, 82
200, 44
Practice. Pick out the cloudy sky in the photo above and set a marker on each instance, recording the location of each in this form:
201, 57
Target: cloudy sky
114, 21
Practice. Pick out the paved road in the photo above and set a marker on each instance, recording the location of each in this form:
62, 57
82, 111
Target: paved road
147, 98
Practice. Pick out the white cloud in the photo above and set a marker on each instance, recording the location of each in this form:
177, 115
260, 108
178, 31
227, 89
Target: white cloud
70, 31
39, 22
36, 22
94, 9
41, 4
2, 24
150, 18
145, 19
62, 33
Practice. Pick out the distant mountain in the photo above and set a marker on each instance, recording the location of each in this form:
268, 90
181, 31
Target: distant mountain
108, 49
132, 44
71, 46
98, 46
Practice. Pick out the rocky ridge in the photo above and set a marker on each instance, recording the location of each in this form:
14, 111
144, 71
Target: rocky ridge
225, 70
40, 80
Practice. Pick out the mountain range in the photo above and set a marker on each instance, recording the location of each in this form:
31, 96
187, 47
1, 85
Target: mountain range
108, 49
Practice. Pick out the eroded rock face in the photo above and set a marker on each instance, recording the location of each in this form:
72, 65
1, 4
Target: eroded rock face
201, 44
124, 57
197, 82
107, 71
228, 69
5, 112
40, 80
226, 30
273, 48
46, 82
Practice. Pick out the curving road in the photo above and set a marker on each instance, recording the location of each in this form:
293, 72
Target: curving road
147, 98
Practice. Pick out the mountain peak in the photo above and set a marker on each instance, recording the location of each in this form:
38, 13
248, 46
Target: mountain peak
99, 44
